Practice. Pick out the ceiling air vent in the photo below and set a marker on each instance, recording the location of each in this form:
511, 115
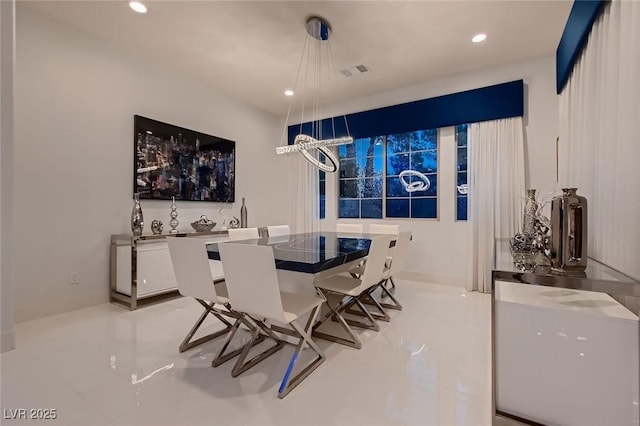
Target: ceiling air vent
351, 71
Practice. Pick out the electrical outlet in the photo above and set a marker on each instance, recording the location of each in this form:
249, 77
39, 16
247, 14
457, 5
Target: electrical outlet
74, 277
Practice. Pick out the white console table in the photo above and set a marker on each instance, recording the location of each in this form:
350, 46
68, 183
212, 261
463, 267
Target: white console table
565, 346
140, 266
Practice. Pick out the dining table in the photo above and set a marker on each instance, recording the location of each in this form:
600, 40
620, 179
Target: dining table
312, 255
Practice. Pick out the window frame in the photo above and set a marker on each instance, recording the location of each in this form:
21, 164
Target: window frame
458, 218
384, 176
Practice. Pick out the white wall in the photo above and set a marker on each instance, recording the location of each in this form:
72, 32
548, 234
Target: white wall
7, 63
75, 101
440, 247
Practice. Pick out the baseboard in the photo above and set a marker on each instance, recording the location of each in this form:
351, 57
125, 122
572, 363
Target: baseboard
59, 305
449, 280
8, 341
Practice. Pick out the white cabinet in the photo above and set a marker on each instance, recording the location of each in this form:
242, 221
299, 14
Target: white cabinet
565, 346
141, 266
565, 356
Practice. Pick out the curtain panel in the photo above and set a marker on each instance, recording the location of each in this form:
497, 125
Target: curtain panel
303, 187
599, 144
496, 192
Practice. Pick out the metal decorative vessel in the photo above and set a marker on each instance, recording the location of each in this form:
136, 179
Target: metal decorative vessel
137, 220
243, 215
156, 227
569, 232
529, 218
174, 216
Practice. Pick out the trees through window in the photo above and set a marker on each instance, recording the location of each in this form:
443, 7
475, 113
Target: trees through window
396, 171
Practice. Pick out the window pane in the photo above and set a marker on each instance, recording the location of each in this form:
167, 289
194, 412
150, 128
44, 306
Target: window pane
462, 207
462, 178
425, 161
372, 208
397, 163
369, 147
349, 208
347, 151
348, 168
371, 188
398, 143
398, 208
425, 139
461, 135
370, 166
322, 206
349, 188
433, 185
395, 188
424, 207
462, 159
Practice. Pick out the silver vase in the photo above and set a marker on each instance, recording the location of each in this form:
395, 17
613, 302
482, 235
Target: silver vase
137, 220
569, 232
243, 215
529, 217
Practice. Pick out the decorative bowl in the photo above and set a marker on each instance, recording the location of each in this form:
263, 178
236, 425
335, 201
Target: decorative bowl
203, 224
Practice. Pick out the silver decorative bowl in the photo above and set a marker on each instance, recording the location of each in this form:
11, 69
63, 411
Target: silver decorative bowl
203, 226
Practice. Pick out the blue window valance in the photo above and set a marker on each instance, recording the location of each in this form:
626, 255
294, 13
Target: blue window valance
487, 103
574, 37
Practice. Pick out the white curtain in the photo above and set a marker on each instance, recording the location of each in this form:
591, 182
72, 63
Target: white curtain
304, 195
599, 142
496, 192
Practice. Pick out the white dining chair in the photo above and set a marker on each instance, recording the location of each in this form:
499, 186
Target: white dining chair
193, 275
349, 289
237, 234
376, 228
278, 230
255, 291
350, 228
397, 264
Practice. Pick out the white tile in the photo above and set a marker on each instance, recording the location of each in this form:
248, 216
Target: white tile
429, 366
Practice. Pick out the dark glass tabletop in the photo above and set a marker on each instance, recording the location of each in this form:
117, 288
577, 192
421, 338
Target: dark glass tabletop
311, 252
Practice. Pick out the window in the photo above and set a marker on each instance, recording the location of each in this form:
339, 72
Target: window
322, 190
414, 194
462, 187
398, 170
361, 172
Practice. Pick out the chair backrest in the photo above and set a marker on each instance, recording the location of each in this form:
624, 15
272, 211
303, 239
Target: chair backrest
374, 267
278, 230
191, 267
243, 234
354, 228
252, 281
400, 255
375, 228
385, 229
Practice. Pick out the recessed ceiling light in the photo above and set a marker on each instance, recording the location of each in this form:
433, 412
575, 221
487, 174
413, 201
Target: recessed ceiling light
138, 7
288, 92
478, 38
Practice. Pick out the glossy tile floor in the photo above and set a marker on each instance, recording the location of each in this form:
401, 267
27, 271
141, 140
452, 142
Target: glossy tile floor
105, 365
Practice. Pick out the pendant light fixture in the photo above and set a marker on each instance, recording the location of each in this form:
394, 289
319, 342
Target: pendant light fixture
317, 57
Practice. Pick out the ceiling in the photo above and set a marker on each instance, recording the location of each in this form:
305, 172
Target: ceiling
251, 50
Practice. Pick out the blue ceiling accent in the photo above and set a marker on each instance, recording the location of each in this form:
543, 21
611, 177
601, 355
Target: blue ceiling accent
487, 103
574, 37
